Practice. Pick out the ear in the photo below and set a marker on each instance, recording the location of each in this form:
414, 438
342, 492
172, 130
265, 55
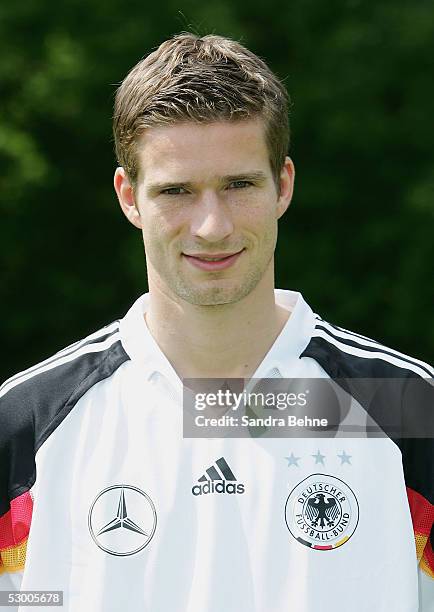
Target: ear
287, 177
125, 193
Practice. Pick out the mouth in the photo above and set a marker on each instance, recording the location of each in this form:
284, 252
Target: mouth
213, 262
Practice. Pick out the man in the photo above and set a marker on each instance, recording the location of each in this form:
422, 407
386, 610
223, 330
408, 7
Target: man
118, 510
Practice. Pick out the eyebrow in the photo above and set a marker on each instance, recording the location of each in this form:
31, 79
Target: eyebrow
257, 176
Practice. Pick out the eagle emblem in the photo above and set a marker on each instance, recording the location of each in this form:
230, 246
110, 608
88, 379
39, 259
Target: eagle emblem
322, 512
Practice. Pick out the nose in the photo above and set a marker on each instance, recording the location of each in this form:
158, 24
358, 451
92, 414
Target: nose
211, 220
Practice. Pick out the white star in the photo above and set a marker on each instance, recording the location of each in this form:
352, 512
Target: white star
292, 460
345, 458
319, 458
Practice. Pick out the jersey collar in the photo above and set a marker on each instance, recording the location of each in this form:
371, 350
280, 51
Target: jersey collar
143, 349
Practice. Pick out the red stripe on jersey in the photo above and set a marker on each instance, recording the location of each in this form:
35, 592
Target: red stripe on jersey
422, 512
15, 524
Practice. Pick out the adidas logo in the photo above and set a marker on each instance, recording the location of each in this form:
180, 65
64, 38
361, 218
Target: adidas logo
221, 480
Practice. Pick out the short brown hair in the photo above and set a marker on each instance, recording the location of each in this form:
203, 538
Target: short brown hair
202, 79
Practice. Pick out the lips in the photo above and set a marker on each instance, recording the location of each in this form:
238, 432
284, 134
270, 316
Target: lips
213, 261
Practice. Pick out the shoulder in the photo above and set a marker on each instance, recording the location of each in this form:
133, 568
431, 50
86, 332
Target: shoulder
395, 389
344, 353
34, 398
32, 405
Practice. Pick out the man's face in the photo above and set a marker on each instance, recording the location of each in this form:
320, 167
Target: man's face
206, 191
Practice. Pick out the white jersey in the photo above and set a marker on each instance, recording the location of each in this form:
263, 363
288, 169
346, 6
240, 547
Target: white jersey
102, 498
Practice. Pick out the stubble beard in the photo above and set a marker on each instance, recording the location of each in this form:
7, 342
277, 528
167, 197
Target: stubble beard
219, 294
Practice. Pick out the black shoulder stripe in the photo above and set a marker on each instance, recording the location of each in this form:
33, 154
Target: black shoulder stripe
347, 331
361, 351
69, 350
88, 370
342, 364
32, 410
377, 348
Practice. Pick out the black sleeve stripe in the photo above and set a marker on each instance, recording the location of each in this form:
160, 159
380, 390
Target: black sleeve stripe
32, 410
99, 335
57, 360
375, 348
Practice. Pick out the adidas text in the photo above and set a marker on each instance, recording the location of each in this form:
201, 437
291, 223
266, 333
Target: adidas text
218, 487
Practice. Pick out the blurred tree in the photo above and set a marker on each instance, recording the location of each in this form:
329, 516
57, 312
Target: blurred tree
357, 240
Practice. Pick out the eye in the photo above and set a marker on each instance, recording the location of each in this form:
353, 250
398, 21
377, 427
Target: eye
240, 184
174, 191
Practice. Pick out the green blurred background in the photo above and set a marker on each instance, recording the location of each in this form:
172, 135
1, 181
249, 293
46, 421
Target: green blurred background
358, 238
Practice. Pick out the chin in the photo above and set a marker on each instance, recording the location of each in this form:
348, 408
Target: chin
213, 296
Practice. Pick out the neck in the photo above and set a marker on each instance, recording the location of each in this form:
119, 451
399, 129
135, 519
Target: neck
228, 340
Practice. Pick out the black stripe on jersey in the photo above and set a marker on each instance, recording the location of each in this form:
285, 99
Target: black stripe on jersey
342, 329
32, 410
410, 395
379, 348
69, 350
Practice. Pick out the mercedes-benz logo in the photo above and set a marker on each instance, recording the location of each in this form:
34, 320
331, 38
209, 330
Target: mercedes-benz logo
128, 529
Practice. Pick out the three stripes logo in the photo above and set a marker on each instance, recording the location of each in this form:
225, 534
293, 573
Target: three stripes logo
218, 478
